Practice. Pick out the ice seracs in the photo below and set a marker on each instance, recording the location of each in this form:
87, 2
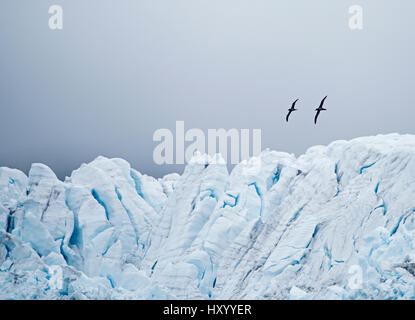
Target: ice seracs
335, 223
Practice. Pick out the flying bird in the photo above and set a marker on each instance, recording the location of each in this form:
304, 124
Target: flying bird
291, 109
319, 109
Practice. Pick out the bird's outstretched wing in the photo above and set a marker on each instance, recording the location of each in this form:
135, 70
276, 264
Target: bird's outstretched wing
288, 115
316, 117
294, 103
322, 102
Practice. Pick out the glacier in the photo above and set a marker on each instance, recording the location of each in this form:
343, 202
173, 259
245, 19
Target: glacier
337, 222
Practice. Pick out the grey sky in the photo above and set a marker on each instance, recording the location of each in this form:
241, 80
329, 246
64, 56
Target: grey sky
119, 70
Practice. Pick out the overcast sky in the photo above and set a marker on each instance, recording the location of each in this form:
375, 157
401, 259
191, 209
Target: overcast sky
119, 70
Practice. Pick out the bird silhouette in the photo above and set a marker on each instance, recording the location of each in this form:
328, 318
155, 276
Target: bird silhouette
319, 109
291, 109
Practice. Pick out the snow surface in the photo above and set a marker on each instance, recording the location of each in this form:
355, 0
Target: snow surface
336, 223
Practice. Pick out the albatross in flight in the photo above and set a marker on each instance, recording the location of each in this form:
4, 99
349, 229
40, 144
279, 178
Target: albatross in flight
291, 109
319, 109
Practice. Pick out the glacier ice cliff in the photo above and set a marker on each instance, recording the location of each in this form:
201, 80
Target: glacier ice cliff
335, 223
